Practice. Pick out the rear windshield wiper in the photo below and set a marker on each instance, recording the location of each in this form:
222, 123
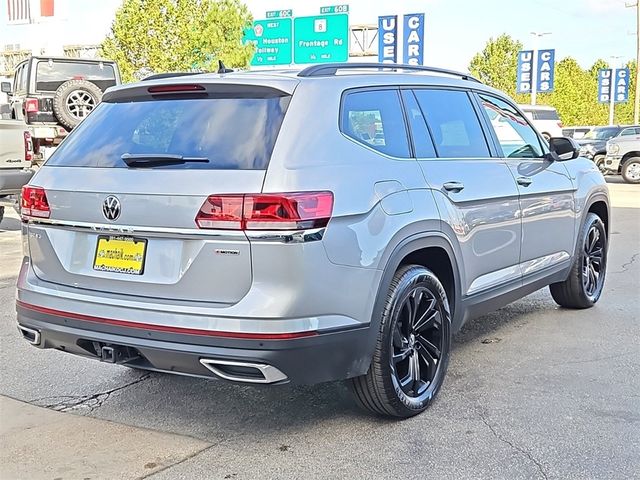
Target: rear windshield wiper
158, 159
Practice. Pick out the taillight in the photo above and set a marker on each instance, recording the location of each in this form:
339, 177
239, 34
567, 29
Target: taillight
31, 105
560, 124
281, 211
34, 202
28, 147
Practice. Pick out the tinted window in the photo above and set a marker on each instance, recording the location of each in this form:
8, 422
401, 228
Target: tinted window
515, 135
453, 123
422, 141
51, 74
233, 133
630, 131
375, 118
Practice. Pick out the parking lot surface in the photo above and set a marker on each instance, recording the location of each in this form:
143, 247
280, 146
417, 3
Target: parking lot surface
533, 391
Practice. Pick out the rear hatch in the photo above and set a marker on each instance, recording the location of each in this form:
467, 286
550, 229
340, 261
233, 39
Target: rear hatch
124, 189
15, 145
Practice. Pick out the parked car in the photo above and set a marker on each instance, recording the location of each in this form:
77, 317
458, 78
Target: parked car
594, 144
576, 132
16, 152
226, 226
623, 155
545, 119
53, 94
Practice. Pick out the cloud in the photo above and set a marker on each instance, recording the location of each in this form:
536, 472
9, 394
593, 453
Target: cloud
604, 6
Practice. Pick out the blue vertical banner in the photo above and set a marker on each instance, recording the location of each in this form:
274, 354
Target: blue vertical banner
545, 70
524, 72
413, 39
388, 39
604, 85
621, 86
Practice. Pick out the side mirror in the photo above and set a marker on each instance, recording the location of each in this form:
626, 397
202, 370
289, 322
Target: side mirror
5, 87
564, 148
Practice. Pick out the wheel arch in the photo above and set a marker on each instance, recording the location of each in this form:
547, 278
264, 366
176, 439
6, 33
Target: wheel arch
628, 155
432, 250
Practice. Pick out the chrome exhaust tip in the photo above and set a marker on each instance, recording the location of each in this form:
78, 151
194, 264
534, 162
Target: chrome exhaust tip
30, 335
243, 371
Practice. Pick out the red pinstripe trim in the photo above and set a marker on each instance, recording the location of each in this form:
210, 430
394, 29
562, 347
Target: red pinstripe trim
165, 328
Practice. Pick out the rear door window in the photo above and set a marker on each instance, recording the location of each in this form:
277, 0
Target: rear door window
53, 73
374, 118
422, 142
232, 133
453, 123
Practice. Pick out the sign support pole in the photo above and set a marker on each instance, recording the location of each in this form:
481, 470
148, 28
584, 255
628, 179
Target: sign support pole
534, 72
612, 94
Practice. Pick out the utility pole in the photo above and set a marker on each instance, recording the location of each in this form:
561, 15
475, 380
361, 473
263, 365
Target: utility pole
534, 72
636, 103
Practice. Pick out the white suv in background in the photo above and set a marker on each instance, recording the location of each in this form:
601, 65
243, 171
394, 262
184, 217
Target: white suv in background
545, 119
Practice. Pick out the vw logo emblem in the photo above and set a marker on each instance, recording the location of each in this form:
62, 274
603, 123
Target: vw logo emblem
111, 208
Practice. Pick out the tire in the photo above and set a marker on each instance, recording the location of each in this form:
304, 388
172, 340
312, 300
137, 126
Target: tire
546, 136
583, 288
74, 100
389, 388
599, 161
631, 170
1, 213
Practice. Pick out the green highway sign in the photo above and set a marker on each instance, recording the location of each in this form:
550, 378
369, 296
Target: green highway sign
334, 9
273, 40
280, 13
321, 39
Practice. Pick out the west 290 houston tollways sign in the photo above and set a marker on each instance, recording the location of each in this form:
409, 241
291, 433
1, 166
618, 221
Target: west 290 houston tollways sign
318, 39
272, 38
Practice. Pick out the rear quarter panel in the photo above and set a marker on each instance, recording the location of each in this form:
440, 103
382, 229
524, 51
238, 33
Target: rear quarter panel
378, 200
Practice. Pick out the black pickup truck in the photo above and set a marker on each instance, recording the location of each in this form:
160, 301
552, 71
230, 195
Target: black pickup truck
53, 94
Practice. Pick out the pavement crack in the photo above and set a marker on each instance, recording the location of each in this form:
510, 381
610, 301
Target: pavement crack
515, 447
182, 460
625, 266
65, 403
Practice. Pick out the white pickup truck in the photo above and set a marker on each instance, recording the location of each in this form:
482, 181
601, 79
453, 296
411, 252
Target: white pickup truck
623, 155
16, 155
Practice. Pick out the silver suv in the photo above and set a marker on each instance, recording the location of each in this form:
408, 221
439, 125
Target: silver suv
341, 222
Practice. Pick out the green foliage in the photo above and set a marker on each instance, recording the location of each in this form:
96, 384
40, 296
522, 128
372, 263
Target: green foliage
154, 36
575, 94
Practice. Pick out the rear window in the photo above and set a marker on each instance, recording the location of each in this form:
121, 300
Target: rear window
232, 133
51, 74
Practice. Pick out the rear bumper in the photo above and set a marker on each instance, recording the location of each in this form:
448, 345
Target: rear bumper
321, 357
12, 180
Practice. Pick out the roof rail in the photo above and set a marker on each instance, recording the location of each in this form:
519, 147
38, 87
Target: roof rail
158, 76
329, 69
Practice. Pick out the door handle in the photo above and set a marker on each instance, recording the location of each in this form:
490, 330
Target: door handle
524, 181
453, 186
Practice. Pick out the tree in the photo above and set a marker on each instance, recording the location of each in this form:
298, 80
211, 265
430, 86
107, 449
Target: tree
154, 36
496, 65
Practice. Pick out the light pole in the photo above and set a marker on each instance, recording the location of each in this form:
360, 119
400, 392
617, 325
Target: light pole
534, 73
612, 90
636, 104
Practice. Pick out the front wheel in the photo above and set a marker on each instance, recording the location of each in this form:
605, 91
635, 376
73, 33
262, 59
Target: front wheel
599, 161
583, 287
631, 170
412, 349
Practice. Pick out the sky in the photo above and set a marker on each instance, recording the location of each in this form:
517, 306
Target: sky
454, 29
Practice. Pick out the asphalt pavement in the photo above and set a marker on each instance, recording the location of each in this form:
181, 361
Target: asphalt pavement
533, 391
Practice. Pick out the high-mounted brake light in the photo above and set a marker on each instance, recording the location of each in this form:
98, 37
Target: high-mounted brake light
28, 147
34, 202
175, 88
31, 105
280, 211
